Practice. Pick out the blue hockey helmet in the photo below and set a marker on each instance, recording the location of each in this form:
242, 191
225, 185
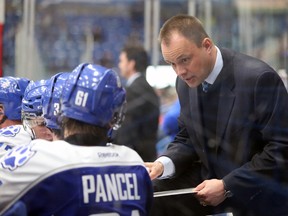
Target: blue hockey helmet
11, 94
93, 94
32, 101
51, 99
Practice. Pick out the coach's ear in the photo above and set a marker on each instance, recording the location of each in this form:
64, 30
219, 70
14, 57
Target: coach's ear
207, 44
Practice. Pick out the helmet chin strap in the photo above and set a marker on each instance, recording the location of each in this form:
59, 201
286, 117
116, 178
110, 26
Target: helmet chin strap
109, 134
30, 131
33, 134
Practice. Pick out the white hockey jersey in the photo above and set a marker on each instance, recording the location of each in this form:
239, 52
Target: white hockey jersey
57, 178
12, 136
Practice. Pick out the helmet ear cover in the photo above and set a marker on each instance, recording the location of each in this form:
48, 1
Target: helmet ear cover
118, 117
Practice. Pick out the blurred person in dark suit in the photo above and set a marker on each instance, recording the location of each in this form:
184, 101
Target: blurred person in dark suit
139, 129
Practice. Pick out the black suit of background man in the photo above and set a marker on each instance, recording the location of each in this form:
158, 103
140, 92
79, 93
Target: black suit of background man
139, 128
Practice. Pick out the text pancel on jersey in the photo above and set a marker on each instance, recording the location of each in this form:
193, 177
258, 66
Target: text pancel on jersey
63, 179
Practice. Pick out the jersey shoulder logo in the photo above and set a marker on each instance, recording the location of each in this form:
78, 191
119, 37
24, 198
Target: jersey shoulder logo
17, 157
10, 131
5, 84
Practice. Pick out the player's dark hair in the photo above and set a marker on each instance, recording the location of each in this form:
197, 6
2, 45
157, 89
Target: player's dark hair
58, 133
75, 127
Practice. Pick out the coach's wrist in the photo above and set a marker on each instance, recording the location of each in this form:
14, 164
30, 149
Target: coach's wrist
168, 167
227, 192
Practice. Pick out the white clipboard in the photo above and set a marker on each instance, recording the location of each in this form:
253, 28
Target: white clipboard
175, 192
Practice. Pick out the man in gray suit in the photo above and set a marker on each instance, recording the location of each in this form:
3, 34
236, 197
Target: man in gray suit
139, 128
235, 132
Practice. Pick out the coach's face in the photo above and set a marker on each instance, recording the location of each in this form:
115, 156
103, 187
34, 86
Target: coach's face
191, 63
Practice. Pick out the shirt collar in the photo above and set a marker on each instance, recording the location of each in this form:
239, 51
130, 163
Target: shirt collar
132, 78
216, 69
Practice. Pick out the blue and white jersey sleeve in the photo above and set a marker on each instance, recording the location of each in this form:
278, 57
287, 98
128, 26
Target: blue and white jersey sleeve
93, 180
13, 136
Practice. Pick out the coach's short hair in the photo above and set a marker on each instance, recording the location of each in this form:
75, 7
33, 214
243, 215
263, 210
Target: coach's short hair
188, 26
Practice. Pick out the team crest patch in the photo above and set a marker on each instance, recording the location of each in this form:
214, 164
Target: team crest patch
17, 157
5, 84
10, 131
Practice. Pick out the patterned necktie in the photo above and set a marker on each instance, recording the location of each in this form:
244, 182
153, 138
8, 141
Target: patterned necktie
205, 86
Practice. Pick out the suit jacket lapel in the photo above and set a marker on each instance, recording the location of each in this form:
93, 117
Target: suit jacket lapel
226, 97
226, 101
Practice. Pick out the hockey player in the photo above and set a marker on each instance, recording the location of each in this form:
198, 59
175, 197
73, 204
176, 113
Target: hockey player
51, 103
12, 132
83, 175
32, 113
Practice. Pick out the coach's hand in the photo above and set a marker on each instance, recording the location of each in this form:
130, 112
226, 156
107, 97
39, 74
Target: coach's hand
210, 192
155, 169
